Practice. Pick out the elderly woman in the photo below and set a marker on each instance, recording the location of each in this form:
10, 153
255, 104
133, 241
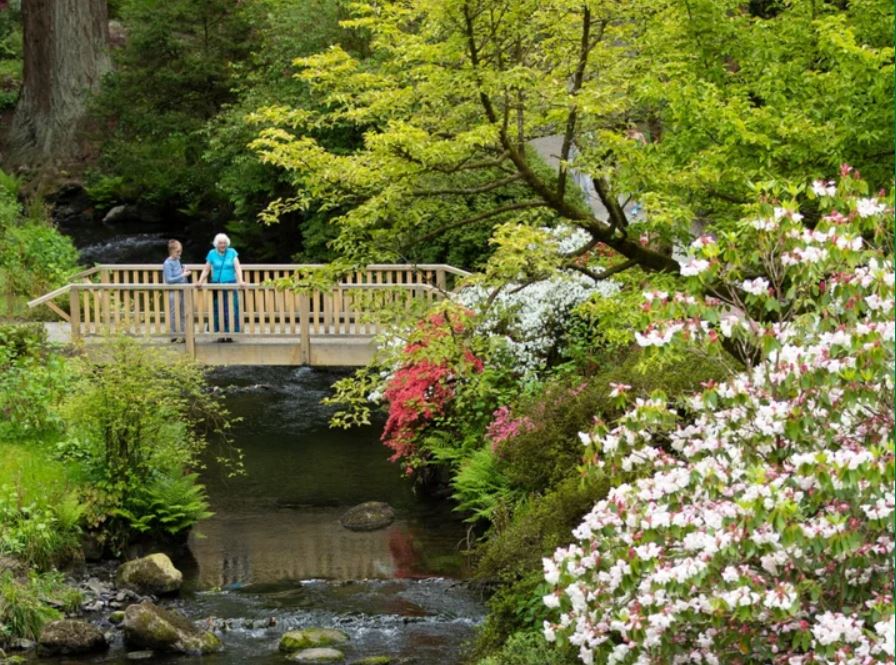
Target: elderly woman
223, 264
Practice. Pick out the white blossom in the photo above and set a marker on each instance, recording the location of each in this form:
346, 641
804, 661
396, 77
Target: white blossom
869, 207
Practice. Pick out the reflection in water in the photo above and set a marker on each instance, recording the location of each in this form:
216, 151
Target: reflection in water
281, 521
239, 549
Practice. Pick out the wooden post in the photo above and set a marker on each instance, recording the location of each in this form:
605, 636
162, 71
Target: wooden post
304, 328
74, 304
441, 282
189, 337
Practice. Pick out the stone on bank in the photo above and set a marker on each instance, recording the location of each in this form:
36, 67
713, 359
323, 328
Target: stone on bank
68, 637
147, 626
152, 574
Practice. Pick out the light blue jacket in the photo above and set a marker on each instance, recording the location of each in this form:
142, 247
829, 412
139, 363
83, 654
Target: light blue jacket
173, 271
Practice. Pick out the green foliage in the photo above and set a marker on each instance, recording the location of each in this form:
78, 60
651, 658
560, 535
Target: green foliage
34, 256
680, 105
480, 488
172, 76
549, 451
512, 553
23, 341
32, 382
10, 57
27, 604
282, 31
40, 504
136, 425
530, 648
541, 523
41, 535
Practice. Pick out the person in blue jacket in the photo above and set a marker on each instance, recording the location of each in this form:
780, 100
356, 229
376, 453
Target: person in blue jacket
223, 265
173, 272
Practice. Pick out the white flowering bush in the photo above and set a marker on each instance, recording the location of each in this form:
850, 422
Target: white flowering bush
531, 315
753, 523
532, 319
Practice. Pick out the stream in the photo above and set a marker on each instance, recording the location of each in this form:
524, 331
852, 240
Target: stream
274, 556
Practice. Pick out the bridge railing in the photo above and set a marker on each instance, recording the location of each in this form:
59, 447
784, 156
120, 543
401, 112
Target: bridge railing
132, 300
439, 275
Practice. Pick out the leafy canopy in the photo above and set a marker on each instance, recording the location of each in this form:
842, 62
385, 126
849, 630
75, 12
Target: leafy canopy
680, 105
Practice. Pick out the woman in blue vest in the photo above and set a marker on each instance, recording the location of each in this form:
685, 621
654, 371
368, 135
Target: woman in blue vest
223, 264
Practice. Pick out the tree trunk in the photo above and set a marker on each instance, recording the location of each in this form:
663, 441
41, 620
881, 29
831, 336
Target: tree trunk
65, 57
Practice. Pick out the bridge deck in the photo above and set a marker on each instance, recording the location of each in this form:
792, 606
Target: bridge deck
325, 351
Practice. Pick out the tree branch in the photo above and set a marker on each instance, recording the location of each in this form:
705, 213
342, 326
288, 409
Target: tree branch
648, 259
598, 276
474, 60
571, 119
584, 249
460, 191
494, 212
618, 220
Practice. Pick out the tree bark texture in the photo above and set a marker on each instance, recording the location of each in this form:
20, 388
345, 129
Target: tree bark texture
66, 55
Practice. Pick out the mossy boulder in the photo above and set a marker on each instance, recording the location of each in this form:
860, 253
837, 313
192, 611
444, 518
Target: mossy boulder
147, 626
151, 574
374, 660
116, 617
318, 655
368, 516
311, 637
68, 637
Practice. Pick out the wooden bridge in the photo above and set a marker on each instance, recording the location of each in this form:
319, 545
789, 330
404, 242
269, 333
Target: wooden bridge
269, 325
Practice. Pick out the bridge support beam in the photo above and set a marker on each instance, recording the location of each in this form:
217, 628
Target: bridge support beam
189, 323
74, 305
305, 328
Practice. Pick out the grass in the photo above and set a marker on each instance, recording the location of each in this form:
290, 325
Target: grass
40, 506
36, 477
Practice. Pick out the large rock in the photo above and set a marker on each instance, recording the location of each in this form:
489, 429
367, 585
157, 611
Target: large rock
317, 655
67, 637
368, 516
311, 637
147, 626
151, 574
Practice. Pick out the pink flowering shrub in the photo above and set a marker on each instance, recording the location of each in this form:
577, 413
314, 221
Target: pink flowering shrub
753, 524
421, 390
505, 427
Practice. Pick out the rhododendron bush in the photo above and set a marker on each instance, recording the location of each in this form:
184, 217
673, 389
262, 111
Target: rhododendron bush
752, 523
436, 361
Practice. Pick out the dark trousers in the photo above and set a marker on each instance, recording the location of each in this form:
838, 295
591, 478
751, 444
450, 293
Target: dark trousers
234, 302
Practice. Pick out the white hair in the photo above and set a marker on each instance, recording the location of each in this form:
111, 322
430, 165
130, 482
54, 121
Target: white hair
220, 237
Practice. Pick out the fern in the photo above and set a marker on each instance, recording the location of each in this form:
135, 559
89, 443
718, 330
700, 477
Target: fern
480, 487
169, 503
